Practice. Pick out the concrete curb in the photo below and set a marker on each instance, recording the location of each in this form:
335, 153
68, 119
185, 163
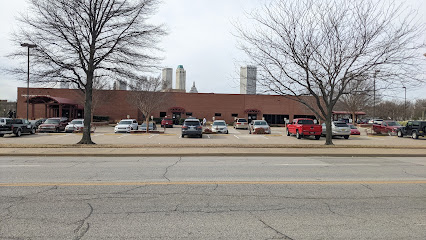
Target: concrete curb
208, 152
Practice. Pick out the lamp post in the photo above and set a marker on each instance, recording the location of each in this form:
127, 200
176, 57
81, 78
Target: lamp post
28, 46
405, 103
374, 92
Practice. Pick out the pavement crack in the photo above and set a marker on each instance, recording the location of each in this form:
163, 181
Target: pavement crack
83, 226
282, 235
167, 168
366, 186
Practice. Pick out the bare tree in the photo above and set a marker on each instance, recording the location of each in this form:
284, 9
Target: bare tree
359, 97
81, 40
145, 94
317, 48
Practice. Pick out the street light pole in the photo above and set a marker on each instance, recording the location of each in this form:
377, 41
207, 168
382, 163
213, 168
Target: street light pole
405, 103
374, 92
28, 46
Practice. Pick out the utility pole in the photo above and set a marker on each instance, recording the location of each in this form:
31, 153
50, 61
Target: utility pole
374, 92
28, 46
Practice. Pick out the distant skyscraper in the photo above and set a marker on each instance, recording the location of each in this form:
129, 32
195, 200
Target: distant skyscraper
193, 89
248, 80
120, 85
167, 79
180, 78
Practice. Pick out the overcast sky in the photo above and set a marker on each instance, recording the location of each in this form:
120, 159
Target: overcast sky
200, 38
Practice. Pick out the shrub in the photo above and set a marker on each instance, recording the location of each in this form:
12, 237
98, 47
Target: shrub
259, 131
207, 130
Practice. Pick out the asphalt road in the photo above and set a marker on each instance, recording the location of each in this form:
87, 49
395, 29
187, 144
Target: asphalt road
212, 198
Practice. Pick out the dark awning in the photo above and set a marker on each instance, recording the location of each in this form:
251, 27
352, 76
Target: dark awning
50, 100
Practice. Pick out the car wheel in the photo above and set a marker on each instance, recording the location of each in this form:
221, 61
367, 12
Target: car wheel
414, 135
183, 136
317, 137
18, 133
57, 130
33, 131
226, 131
346, 137
1, 135
288, 133
298, 136
201, 136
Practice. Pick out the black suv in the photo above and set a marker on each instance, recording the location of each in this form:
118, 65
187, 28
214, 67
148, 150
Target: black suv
192, 127
413, 129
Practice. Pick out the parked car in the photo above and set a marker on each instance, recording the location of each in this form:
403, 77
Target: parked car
152, 126
241, 123
219, 126
415, 129
16, 126
38, 122
354, 130
338, 129
53, 125
304, 127
126, 125
75, 125
192, 127
167, 122
375, 121
387, 127
257, 124
3, 121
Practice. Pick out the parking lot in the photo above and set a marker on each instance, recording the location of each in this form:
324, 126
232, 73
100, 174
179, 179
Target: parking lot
106, 135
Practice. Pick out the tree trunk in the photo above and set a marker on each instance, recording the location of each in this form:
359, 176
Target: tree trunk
86, 139
329, 129
147, 123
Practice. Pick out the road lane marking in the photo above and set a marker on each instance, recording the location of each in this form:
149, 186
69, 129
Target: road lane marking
265, 137
236, 136
9, 166
210, 183
208, 136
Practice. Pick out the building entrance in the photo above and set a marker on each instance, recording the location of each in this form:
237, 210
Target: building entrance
252, 117
176, 117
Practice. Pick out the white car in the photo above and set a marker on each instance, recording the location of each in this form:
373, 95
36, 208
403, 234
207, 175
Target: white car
219, 126
75, 125
126, 125
340, 129
3, 121
257, 124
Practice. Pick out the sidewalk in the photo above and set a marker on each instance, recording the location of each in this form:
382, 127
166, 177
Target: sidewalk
212, 151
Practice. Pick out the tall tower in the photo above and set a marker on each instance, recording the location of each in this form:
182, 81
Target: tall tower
193, 89
167, 79
248, 80
180, 78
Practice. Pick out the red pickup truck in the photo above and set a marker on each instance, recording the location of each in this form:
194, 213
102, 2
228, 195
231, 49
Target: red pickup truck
167, 122
387, 127
304, 127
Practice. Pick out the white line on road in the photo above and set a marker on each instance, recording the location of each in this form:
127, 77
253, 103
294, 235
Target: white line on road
265, 137
9, 166
123, 135
96, 135
236, 136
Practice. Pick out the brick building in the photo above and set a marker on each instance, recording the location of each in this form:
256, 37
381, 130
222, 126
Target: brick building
52, 102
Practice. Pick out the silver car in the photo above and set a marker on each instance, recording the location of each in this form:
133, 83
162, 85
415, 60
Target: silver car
340, 129
75, 125
256, 124
152, 126
126, 125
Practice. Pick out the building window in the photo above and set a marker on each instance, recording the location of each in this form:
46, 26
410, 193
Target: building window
235, 115
218, 114
304, 116
189, 114
275, 118
163, 114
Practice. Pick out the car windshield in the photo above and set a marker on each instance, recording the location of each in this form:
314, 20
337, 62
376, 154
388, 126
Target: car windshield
52, 121
125, 122
192, 123
305, 122
352, 127
144, 125
393, 124
260, 123
241, 120
76, 122
340, 124
219, 123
